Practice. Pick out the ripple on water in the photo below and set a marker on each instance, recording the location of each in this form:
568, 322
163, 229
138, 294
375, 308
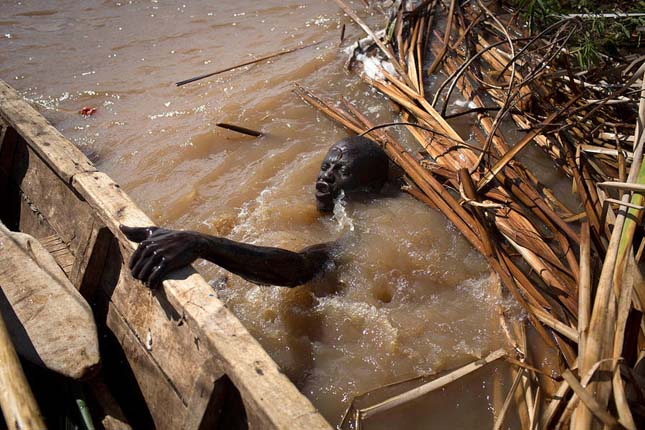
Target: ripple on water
394, 308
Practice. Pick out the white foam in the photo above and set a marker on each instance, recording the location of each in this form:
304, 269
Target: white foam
466, 103
371, 67
343, 220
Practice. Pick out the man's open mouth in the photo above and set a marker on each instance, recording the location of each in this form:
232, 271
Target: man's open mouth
324, 191
323, 188
324, 196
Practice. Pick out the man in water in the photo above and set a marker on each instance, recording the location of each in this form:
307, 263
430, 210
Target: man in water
353, 166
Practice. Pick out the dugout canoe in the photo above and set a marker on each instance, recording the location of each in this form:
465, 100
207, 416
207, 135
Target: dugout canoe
192, 360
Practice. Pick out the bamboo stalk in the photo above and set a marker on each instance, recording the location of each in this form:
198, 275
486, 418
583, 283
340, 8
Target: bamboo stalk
565, 417
400, 98
623, 280
584, 288
430, 149
501, 222
398, 30
533, 416
446, 40
556, 402
587, 198
419, 46
430, 386
247, 63
559, 326
469, 191
413, 67
518, 188
601, 332
499, 421
491, 173
528, 379
590, 402
425, 106
502, 265
535, 296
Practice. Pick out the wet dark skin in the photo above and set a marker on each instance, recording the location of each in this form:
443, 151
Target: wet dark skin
354, 165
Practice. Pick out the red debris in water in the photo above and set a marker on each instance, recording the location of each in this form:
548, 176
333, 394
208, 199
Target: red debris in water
87, 111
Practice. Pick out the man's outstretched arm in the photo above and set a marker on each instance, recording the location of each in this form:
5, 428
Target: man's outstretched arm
161, 251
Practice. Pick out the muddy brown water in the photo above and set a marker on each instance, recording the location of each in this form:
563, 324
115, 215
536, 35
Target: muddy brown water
408, 296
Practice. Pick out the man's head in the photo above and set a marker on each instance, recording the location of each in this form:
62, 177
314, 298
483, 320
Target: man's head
353, 164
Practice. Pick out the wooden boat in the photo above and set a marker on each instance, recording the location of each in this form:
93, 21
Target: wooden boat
191, 359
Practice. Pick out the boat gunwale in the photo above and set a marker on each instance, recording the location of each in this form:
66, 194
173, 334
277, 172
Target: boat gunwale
271, 400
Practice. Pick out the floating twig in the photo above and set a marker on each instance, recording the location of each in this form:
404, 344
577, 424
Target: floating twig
440, 382
247, 63
239, 129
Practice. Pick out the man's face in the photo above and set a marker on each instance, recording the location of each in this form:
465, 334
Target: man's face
346, 167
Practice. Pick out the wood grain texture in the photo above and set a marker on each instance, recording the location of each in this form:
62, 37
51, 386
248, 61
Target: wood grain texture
157, 326
49, 321
16, 399
41, 135
52, 199
165, 405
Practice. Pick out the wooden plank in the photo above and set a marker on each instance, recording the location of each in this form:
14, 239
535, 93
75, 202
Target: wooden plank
71, 218
48, 319
89, 277
84, 252
157, 326
65, 160
113, 418
30, 220
165, 406
205, 405
271, 399
59, 250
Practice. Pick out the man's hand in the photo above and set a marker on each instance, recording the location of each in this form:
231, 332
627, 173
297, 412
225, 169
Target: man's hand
160, 251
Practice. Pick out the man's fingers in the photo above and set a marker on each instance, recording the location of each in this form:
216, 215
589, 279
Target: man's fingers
137, 254
138, 265
147, 268
147, 256
137, 234
158, 272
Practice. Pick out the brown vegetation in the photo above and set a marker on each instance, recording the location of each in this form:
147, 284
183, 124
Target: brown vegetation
576, 273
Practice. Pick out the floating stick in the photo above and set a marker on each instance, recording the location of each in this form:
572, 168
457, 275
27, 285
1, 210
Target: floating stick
247, 63
239, 129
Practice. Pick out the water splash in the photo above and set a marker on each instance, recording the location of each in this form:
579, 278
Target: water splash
343, 220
